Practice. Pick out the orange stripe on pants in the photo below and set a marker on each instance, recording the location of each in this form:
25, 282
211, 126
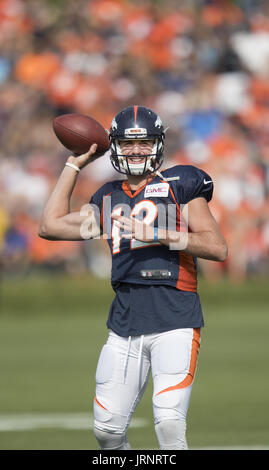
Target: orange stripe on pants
194, 356
98, 403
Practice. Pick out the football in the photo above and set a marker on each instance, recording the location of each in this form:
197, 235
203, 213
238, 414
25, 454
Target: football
77, 132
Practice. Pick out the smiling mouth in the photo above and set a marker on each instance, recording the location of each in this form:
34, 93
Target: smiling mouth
136, 160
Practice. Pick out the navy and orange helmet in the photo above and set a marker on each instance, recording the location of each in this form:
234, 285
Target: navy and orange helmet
137, 122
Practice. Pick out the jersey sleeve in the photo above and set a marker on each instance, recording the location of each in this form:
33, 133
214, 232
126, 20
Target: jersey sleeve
97, 197
194, 183
97, 201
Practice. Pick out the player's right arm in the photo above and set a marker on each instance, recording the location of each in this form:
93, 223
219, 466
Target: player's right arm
57, 222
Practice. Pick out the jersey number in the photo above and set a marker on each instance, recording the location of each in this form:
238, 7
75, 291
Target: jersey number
151, 213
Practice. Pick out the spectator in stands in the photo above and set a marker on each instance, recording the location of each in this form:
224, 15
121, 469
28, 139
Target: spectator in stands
202, 65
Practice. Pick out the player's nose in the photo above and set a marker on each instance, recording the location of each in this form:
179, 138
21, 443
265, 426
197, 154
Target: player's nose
137, 148
136, 145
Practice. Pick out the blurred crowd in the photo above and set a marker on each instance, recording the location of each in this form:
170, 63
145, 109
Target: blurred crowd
202, 65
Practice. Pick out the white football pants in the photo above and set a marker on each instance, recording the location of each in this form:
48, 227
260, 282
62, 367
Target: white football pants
121, 378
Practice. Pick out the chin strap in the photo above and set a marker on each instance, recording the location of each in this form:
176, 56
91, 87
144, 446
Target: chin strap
158, 173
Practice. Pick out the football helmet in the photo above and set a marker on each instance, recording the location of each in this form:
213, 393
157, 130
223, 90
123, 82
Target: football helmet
136, 122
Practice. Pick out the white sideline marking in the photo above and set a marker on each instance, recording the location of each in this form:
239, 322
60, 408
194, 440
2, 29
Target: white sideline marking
75, 421
81, 421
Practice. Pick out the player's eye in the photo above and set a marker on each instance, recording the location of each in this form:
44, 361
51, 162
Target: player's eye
126, 144
146, 144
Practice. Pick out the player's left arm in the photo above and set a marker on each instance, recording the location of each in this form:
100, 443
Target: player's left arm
204, 240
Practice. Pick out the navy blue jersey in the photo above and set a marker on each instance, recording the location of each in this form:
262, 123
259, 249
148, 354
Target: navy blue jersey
142, 309
145, 263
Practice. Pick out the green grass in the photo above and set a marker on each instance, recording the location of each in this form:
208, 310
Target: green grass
51, 333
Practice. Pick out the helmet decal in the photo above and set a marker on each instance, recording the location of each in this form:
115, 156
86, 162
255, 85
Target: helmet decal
114, 124
158, 122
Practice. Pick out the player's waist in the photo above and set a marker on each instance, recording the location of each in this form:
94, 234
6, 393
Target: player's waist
188, 286
180, 273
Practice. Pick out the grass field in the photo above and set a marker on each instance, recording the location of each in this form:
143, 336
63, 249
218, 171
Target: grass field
51, 333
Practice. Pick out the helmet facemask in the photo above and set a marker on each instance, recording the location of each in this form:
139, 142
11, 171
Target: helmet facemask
122, 163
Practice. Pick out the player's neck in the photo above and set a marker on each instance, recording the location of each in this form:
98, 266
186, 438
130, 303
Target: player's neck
137, 182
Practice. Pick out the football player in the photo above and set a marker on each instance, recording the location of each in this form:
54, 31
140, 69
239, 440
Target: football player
157, 222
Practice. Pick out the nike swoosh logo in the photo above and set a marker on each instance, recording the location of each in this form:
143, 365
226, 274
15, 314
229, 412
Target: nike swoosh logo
206, 182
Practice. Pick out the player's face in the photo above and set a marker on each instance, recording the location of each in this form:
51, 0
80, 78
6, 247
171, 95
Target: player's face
136, 147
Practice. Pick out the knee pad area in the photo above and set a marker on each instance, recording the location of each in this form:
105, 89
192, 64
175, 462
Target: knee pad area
111, 441
171, 405
171, 434
113, 423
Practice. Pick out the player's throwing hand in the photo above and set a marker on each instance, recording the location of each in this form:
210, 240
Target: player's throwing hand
84, 159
